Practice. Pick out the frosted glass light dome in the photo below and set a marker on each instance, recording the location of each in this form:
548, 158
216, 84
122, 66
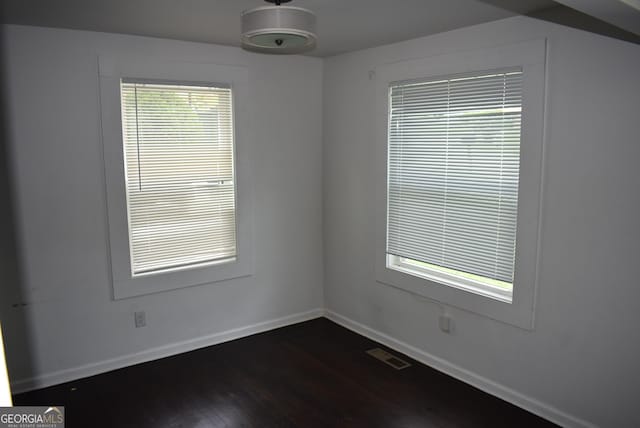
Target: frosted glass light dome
278, 29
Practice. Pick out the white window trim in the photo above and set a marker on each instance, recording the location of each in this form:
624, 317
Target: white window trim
467, 284
531, 57
111, 71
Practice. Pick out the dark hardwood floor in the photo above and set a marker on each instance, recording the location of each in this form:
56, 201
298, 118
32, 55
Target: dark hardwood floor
313, 374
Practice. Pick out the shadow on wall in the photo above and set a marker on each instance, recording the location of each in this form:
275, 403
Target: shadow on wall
551, 11
13, 307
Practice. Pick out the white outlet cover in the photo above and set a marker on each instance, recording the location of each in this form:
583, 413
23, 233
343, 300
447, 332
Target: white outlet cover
140, 319
445, 323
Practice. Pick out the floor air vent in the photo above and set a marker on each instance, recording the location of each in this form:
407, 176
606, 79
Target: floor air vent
388, 358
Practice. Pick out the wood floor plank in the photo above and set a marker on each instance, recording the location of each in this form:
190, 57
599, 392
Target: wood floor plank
312, 374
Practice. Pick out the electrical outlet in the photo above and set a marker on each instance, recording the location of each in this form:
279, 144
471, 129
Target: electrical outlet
140, 319
445, 323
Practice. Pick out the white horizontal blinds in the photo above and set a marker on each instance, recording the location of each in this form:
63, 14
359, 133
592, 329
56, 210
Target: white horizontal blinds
178, 143
453, 167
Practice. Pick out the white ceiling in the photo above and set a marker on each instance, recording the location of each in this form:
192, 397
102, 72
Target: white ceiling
343, 25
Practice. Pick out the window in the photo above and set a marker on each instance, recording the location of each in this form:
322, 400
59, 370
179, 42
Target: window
453, 168
178, 182
178, 145
459, 178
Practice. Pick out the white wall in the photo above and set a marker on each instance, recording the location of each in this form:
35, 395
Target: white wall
70, 320
580, 364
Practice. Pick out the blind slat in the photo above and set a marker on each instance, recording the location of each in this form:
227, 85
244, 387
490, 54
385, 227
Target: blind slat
453, 172
178, 147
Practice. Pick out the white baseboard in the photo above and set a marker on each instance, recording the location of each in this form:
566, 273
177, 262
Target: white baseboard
62, 376
532, 405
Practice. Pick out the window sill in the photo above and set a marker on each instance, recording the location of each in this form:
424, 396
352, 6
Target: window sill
158, 281
519, 312
464, 284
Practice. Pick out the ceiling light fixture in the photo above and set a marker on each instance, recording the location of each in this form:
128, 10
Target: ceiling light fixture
278, 29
